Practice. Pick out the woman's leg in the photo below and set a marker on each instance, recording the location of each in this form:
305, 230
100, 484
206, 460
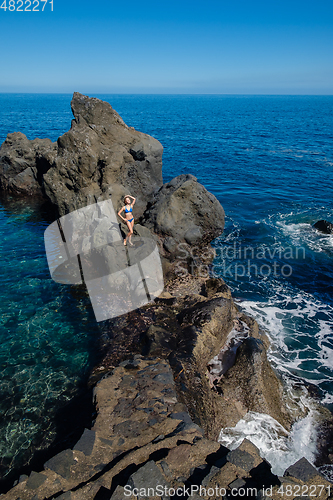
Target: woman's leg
130, 231
130, 225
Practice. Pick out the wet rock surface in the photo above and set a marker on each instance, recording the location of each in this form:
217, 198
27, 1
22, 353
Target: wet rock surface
324, 226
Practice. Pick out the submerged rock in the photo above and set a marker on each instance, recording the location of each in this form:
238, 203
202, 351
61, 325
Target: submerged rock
324, 226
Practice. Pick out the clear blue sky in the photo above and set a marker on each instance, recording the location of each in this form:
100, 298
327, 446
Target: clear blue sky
168, 46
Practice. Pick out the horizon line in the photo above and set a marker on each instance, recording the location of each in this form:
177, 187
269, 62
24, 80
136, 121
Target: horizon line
170, 93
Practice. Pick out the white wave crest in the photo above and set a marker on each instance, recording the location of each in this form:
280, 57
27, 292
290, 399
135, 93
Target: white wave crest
280, 448
303, 233
300, 329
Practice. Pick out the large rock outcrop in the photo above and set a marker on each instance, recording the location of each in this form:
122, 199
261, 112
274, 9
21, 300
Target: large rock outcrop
183, 211
189, 324
100, 156
191, 330
197, 364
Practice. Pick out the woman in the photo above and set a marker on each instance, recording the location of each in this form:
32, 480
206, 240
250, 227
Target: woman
128, 208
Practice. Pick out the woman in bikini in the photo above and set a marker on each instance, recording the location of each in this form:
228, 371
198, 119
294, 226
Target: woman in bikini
128, 208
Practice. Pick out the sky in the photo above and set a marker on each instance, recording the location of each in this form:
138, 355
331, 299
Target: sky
182, 47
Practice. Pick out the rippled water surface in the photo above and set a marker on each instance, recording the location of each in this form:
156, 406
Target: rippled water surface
48, 336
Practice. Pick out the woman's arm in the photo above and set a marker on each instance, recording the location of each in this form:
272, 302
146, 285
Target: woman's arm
134, 199
123, 208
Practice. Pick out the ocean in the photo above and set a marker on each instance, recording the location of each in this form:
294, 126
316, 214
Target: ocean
269, 161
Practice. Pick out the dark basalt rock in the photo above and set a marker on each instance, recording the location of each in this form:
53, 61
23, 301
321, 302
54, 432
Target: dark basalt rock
35, 480
324, 226
241, 459
21, 164
183, 211
148, 476
86, 442
61, 463
101, 156
302, 470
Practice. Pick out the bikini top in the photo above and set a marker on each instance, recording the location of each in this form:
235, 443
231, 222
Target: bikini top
130, 210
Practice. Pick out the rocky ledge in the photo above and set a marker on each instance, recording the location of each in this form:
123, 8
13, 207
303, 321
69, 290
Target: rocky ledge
175, 371
145, 444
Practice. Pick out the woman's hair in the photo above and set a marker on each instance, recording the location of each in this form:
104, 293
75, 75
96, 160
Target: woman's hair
125, 198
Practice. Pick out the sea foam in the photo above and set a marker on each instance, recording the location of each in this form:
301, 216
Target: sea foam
280, 448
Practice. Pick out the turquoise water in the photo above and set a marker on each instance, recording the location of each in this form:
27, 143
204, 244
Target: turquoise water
268, 159
47, 339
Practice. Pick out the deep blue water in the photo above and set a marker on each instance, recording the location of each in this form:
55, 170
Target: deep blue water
269, 161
